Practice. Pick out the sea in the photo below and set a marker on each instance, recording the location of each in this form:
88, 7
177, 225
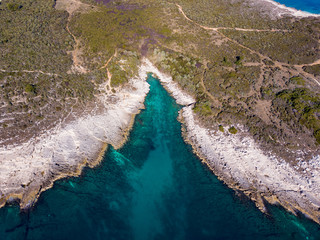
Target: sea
311, 6
154, 187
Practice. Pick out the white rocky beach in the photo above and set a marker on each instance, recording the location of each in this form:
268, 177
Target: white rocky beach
30, 168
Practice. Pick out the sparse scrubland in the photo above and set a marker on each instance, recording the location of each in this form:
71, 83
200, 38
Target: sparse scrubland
253, 80
262, 78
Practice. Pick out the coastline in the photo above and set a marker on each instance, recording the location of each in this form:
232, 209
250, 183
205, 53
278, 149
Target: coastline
31, 168
280, 10
239, 162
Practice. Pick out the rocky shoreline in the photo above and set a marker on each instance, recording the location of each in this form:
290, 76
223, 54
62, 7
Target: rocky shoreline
239, 162
31, 168
275, 9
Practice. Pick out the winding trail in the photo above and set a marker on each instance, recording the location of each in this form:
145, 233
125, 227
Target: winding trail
213, 99
76, 52
229, 28
277, 63
107, 86
72, 6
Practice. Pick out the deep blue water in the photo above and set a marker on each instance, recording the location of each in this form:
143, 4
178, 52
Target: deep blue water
152, 188
311, 6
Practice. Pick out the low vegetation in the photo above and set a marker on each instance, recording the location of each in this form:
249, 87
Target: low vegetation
37, 88
296, 47
304, 108
236, 77
315, 69
232, 130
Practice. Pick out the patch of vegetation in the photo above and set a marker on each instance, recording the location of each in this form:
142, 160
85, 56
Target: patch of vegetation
218, 72
123, 67
13, 6
34, 37
267, 92
234, 82
114, 27
294, 47
221, 128
36, 87
305, 108
182, 68
297, 80
30, 88
315, 69
222, 13
232, 130
238, 60
204, 109
299, 45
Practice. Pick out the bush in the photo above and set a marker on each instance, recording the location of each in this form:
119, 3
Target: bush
13, 6
317, 135
30, 88
221, 129
304, 108
232, 130
315, 69
297, 80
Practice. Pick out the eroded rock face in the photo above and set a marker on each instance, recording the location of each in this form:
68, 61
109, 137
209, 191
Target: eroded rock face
30, 168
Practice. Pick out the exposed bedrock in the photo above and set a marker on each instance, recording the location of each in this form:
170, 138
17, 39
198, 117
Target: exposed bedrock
30, 168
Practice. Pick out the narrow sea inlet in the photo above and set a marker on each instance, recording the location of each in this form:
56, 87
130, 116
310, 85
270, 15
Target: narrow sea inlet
152, 188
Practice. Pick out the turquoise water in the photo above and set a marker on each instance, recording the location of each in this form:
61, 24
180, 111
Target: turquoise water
311, 6
152, 188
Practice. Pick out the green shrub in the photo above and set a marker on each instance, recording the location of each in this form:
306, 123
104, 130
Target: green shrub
221, 129
13, 6
203, 108
30, 88
232, 130
315, 69
238, 60
306, 107
297, 80
317, 135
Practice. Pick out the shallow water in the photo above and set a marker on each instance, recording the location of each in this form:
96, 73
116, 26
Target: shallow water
152, 188
311, 6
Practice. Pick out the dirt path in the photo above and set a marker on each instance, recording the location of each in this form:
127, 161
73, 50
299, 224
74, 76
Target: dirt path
310, 64
224, 36
73, 6
213, 99
107, 86
277, 63
229, 28
114, 55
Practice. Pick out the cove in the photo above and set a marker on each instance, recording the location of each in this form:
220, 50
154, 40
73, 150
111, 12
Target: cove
154, 187
311, 6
